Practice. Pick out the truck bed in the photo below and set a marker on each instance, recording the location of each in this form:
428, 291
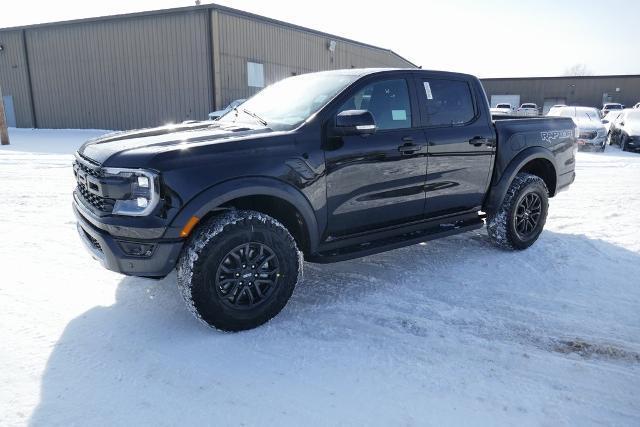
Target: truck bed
517, 134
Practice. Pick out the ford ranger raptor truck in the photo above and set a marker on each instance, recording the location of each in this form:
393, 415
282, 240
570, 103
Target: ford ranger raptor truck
321, 167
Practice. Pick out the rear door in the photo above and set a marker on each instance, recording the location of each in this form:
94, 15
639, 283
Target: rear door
377, 180
460, 145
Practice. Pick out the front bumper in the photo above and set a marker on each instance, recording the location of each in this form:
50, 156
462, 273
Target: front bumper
158, 261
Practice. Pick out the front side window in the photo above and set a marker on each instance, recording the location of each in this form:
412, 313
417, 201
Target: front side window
387, 100
449, 102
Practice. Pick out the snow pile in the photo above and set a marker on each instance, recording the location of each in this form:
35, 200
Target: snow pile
447, 332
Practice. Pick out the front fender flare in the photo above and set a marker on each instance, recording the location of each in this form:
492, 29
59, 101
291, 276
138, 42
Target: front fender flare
498, 190
219, 194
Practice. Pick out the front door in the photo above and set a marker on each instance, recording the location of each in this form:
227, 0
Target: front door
377, 180
461, 146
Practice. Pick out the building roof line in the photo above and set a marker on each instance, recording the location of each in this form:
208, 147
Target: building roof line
562, 77
205, 7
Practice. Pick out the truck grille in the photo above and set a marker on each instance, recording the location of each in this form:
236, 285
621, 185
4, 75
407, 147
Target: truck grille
86, 168
88, 198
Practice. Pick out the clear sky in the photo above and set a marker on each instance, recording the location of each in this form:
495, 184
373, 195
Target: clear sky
489, 38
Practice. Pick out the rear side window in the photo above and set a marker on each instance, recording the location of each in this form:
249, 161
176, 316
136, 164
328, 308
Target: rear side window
449, 102
387, 100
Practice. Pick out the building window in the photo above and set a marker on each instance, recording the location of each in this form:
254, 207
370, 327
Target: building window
255, 74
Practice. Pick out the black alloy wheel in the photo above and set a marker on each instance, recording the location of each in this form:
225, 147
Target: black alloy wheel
247, 276
528, 215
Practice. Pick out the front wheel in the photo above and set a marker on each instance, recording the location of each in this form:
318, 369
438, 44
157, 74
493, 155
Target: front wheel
518, 222
239, 270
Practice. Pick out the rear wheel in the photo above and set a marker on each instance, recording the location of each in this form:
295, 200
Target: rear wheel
239, 270
520, 219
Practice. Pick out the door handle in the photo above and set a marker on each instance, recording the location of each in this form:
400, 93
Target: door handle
477, 141
407, 139
409, 148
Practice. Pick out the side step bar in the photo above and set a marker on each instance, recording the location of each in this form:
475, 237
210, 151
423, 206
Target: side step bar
395, 242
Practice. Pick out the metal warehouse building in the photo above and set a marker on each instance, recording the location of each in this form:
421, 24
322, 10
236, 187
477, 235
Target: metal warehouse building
589, 91
145, 69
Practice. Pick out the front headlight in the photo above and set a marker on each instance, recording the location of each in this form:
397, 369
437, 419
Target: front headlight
143, 195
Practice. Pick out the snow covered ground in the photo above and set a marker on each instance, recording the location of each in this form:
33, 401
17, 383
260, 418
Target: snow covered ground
450, 332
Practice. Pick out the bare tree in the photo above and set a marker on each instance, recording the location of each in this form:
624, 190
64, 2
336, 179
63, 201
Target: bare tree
4, 132
578, 70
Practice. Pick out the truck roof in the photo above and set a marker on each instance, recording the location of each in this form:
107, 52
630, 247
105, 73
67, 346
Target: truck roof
361, 72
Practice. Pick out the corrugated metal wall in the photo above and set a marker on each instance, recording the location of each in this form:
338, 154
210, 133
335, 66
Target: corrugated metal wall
283, 51
585, 91
14, 75
120, 74
147, 69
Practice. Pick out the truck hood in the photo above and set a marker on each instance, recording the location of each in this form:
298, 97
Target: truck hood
155, 140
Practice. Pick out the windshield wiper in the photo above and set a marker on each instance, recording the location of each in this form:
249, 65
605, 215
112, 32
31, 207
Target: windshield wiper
252, 114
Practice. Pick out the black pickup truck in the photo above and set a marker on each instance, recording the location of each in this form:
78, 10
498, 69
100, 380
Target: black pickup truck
324, 167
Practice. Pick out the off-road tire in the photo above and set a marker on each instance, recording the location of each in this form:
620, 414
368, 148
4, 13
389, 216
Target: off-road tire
206, 252
501, 226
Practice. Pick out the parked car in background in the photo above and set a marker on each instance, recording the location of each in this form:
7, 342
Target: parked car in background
625, 130
219, 113
609, 118
590, 130
637, 105
528, 109
555, 108
502, 109
610, 106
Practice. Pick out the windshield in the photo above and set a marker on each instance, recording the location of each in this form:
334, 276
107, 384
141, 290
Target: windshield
286, 104
503, 106
528, 106
613, 107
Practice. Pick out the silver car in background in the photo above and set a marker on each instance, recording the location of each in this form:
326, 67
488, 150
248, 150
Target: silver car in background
591, 131
215, 115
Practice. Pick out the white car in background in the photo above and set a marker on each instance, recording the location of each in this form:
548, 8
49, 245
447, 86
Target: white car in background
637, 105
610, 118
554, 108
610, 106
528, 109
502, 109
590, 129
215, 115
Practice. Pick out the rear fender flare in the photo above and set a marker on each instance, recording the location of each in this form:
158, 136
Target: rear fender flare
499, 190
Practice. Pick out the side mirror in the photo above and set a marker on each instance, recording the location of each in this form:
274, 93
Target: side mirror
621, 123
355, 122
